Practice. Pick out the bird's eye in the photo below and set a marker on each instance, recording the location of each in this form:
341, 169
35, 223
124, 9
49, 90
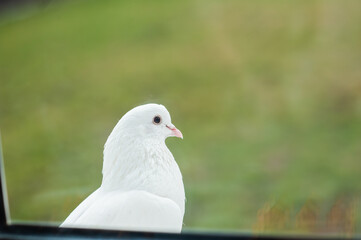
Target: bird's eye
157, 120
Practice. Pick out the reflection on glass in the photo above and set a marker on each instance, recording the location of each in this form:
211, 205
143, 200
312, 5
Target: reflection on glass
266, 94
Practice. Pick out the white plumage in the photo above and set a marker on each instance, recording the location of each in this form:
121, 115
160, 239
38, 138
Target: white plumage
142, 187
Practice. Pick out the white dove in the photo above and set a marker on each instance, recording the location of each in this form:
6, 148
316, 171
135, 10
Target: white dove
142, 187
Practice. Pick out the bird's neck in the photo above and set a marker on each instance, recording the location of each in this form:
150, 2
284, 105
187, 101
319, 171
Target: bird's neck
142, 165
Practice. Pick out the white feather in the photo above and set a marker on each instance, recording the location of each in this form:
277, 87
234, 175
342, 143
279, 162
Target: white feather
142, 187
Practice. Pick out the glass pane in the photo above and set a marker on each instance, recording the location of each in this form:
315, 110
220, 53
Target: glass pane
266, 94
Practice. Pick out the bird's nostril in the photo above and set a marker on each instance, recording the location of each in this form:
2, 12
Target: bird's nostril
171, 128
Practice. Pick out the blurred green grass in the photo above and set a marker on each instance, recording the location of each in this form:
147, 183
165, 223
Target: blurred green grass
267, 95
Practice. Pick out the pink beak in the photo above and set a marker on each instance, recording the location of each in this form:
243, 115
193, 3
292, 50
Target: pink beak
175, 131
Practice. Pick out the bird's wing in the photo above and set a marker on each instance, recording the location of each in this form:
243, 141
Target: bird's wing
80, 209
134, 210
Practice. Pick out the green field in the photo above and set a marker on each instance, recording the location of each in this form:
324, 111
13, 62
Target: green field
266, 93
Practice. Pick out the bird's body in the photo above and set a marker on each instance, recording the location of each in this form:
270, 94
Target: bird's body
142, 187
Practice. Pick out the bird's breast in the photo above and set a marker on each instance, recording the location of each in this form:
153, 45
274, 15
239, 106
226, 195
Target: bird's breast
147, 166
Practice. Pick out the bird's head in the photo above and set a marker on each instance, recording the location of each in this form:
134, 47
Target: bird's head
150, 121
